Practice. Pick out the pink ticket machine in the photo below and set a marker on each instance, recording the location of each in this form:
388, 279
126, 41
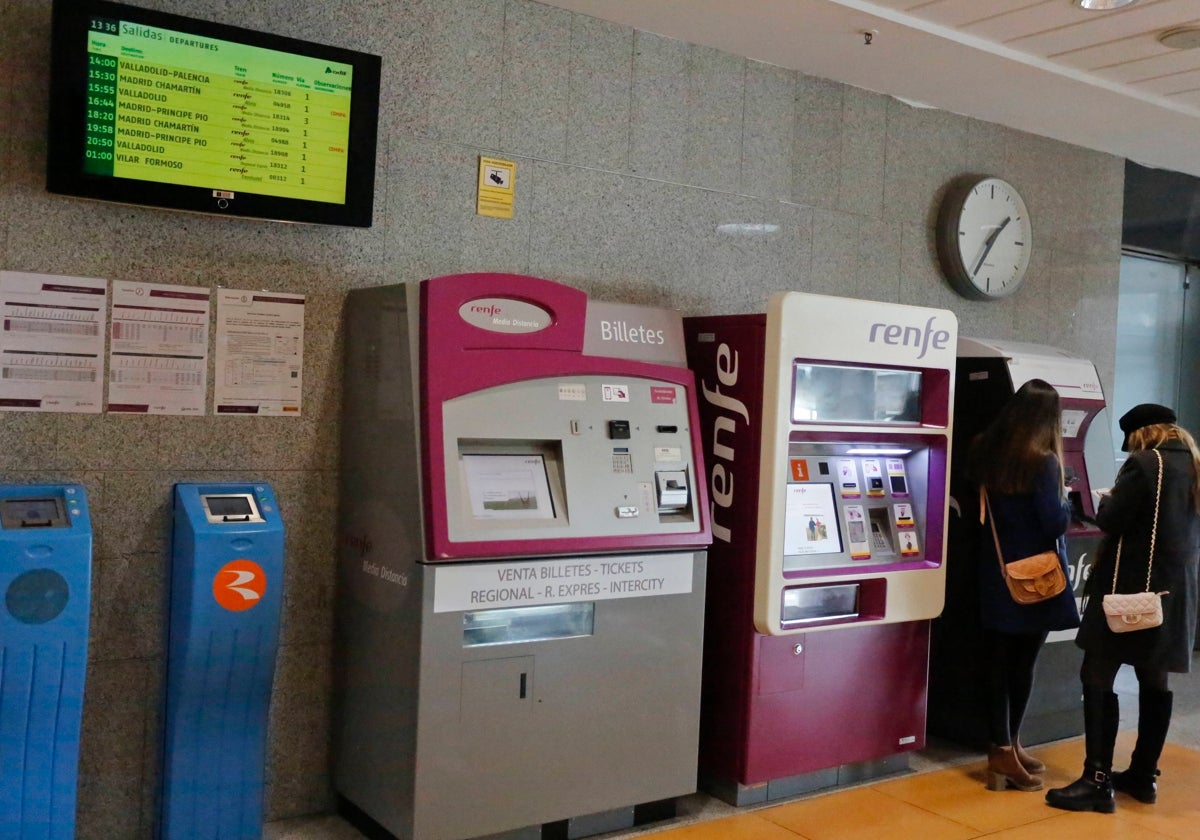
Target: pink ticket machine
826, 425
989, 372
521, 562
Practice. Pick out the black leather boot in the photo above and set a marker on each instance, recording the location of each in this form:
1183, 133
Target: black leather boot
1093, 791
1154, 718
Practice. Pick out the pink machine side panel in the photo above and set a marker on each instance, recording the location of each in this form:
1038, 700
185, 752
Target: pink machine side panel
458, 358
853, 694
730, 643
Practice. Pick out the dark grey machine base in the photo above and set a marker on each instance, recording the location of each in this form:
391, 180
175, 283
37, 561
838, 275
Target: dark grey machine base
739, 795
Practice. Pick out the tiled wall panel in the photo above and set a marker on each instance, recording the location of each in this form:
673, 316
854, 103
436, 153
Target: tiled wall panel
634, 152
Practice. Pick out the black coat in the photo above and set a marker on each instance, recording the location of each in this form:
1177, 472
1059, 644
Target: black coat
1128, 511
1026, 523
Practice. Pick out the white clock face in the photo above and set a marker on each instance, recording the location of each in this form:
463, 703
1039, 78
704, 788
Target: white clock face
995, 238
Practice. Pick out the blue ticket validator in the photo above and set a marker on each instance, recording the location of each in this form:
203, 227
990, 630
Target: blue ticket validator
46, 583
225, 598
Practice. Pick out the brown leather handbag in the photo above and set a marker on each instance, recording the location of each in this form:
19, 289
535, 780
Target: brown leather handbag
1038, 577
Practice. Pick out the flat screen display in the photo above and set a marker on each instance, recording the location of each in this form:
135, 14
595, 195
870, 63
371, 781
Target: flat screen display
849, 394
229, 506
810, 523
158, 109
508, 486
32, 513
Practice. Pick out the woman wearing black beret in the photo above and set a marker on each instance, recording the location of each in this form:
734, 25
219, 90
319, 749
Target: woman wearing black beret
1128, 512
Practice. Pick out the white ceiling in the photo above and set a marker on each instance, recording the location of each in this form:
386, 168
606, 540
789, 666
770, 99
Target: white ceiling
1096, 79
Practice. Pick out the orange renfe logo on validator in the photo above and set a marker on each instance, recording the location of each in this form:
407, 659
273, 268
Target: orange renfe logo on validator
239, 585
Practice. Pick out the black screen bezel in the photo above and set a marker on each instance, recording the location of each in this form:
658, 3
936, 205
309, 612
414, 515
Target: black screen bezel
66, 140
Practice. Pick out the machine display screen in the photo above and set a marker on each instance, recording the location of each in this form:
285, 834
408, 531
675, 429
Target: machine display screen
508, 486
32, 513
810, 520
229, 505
847, 394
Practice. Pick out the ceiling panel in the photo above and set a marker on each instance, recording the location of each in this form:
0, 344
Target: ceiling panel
1165, 63
1097, 79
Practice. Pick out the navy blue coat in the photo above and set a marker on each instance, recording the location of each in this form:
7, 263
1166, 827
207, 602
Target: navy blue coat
1027, 523
1129, 510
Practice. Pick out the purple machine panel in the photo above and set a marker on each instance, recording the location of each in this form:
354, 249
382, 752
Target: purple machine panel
781, 714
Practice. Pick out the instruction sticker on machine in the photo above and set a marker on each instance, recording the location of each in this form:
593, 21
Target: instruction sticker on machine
535, 582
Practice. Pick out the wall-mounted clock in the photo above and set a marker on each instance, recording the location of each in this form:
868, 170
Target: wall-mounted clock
984, 238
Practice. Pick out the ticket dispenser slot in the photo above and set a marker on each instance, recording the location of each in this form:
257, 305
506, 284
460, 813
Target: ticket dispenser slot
225, 597
672, 490
45, 580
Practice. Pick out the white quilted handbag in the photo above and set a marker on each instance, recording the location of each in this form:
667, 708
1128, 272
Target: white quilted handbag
1136, 610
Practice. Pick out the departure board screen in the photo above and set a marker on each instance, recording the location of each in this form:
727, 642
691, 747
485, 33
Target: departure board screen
242, 117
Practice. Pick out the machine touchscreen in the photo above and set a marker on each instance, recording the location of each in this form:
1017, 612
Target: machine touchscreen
811, 522
851, 394
508, 486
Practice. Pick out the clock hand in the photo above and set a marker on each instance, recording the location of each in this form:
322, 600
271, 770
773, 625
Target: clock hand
987, 246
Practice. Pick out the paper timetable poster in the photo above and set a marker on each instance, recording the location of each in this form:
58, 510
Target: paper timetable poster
873, 475
856, 526
908, 544
897, 479
158, 349
52, 342
903, 513
259, 354
848, 479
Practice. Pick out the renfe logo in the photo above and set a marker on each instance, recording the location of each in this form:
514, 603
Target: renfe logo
894, 334
239, 585
504, 315
720, 475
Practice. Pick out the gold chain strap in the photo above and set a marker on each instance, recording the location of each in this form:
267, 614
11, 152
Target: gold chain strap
1153, 531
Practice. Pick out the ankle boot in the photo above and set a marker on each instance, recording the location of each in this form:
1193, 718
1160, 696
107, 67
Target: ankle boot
1005, 770
1093, 791
1027, 761
1154, 719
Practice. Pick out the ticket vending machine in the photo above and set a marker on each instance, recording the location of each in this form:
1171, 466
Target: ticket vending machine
46, 579
826, 425
226, 595
989, 372
521, 562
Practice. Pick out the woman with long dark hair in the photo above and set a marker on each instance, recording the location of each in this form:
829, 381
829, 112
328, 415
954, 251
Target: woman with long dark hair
1017, 463
1154, 501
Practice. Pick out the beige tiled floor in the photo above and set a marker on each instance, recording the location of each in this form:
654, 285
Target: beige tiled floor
954, 804
944, 798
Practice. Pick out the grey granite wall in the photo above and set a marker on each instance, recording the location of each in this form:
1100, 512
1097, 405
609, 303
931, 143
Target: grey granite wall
631, 149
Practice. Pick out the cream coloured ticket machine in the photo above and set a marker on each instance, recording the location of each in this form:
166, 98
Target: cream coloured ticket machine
521, 562
826, 425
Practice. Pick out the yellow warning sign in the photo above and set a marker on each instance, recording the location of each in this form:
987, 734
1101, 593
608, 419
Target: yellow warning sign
495, 196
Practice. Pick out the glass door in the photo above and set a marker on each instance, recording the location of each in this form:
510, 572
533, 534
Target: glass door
1154, 325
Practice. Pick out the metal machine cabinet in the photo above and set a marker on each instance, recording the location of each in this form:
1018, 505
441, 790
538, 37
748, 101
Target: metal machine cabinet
826, 425
521, 561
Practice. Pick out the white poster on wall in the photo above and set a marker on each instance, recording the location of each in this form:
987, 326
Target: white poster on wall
158, 349
52, 342
259, 353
